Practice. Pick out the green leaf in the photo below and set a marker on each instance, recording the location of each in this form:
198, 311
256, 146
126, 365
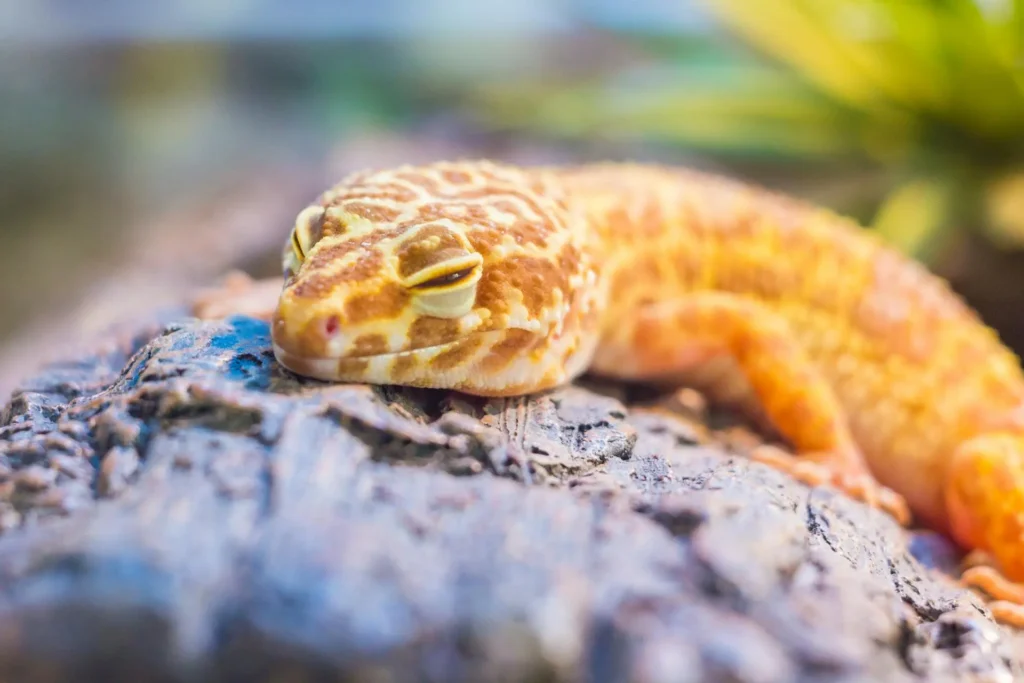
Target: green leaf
1004, 209
915, 216
722, 108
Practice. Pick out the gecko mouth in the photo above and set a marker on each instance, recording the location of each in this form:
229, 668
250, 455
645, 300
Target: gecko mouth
280, 351
346, 367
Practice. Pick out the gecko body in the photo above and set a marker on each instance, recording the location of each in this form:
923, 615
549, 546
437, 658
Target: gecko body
498, 280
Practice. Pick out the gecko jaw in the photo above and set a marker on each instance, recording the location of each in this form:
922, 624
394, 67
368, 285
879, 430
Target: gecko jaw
414, 367
331, 368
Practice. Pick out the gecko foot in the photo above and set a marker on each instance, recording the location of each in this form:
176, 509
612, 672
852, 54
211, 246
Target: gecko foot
1007, 604
815, 469
1007, 613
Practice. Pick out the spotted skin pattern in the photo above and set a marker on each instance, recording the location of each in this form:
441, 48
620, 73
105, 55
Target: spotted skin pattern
497, 280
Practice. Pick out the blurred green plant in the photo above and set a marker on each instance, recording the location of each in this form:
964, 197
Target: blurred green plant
927, 93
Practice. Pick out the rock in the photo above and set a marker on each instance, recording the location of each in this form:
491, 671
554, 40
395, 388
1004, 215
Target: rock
177, 507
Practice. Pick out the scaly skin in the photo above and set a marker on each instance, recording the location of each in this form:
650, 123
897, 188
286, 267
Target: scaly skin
872, 368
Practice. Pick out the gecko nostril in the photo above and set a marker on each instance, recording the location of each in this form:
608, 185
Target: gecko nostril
331, 324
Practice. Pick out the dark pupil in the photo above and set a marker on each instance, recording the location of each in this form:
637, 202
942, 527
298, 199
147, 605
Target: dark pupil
447, 279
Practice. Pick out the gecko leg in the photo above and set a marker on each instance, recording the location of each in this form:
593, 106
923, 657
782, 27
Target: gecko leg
680, 336
238, 294
985, 501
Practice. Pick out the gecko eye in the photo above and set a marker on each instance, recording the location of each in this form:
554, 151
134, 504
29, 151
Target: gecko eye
308, 229
445, 280
446, 289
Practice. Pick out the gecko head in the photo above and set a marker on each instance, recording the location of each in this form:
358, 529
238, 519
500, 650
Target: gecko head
408, 278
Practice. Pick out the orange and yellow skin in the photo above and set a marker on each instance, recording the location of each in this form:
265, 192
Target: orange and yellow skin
496, 280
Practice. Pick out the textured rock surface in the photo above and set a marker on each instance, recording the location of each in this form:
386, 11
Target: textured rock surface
175, 507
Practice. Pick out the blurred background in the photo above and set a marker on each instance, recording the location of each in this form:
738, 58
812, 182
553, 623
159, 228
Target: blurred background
147, 148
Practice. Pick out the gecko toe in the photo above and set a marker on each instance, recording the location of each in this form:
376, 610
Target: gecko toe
818, 469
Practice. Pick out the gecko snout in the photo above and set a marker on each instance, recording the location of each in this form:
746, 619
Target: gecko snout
319, 336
